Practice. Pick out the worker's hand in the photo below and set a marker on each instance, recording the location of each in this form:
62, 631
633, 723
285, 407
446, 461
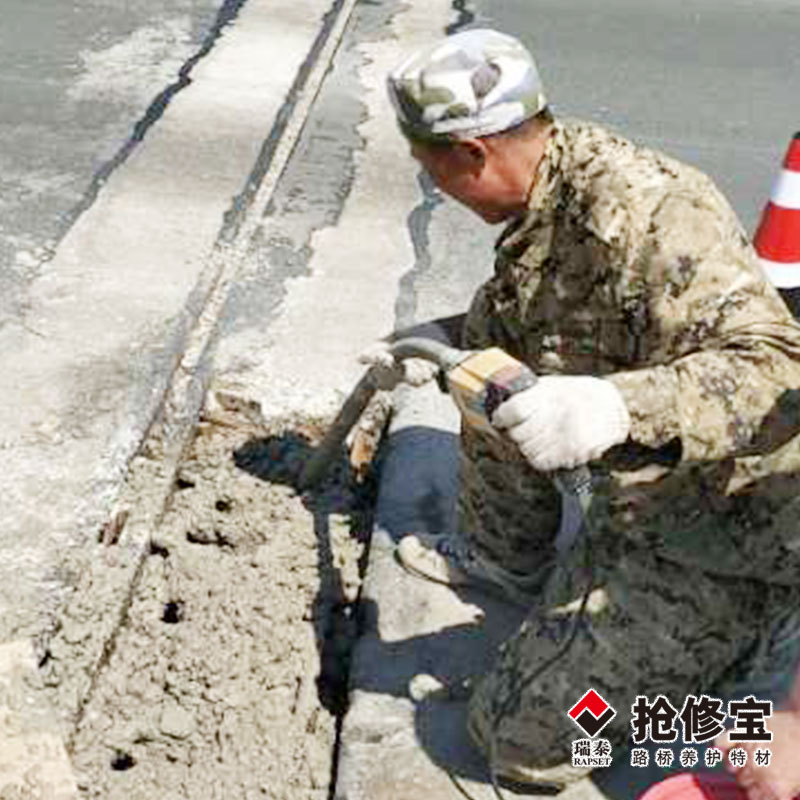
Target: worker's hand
388, 371
780, 780
564, 421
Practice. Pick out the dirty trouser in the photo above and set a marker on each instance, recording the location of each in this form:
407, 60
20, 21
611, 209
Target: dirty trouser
664, 629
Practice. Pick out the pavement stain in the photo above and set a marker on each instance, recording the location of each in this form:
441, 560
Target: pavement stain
228, 673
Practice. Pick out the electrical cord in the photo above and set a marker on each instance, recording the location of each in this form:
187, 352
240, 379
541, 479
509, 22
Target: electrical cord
575, 486
588, 565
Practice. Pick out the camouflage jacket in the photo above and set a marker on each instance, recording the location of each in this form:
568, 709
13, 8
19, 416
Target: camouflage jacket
632, 266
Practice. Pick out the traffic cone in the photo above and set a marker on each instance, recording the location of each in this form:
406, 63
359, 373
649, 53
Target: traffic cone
777, 240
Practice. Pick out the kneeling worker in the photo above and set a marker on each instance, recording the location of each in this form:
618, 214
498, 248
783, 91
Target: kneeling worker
668, 362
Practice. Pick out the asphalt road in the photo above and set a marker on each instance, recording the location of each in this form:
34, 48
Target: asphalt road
712, 82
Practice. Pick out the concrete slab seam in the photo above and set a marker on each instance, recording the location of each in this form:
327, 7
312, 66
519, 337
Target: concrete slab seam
231, 247
257, 179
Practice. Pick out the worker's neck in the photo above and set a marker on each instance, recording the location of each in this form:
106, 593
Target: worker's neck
534, 153
518, 162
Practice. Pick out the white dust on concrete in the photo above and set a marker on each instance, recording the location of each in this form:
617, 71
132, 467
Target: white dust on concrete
103, 325
347, 299
33, 762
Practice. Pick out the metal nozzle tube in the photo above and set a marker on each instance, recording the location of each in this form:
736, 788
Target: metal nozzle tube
416, 347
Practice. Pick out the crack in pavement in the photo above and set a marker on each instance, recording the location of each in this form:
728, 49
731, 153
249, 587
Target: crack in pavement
228, 12
418, 227
465, 16
419, 219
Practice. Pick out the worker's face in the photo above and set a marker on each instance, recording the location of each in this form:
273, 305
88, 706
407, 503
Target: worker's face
463, 171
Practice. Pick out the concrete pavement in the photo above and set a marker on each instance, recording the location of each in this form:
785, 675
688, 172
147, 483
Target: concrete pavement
113, 346
32, 756
109, 342
80, 85
337, 259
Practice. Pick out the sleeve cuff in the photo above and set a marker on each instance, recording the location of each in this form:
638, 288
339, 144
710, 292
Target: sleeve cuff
651, 397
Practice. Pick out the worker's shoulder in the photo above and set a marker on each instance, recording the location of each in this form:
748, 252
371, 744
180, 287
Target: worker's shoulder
610, 176
595, 155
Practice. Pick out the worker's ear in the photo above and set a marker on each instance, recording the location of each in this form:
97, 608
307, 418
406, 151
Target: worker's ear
472, 153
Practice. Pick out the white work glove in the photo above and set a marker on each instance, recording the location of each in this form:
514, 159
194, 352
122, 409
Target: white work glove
388, 371
564, 421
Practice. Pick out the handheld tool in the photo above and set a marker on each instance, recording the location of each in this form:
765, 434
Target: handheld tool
478, 381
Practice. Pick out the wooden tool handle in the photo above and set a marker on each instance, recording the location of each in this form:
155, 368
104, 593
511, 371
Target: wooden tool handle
330, 446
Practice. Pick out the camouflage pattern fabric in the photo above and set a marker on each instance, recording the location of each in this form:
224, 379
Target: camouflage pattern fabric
474, 83
656, 628
632, 266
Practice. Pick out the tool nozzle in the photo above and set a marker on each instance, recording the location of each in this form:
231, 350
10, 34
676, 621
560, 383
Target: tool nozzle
441, 354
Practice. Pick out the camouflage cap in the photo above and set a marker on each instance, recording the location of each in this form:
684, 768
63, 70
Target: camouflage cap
473, 83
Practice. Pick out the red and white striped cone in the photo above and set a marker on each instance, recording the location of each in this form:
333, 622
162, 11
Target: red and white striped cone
777, 240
